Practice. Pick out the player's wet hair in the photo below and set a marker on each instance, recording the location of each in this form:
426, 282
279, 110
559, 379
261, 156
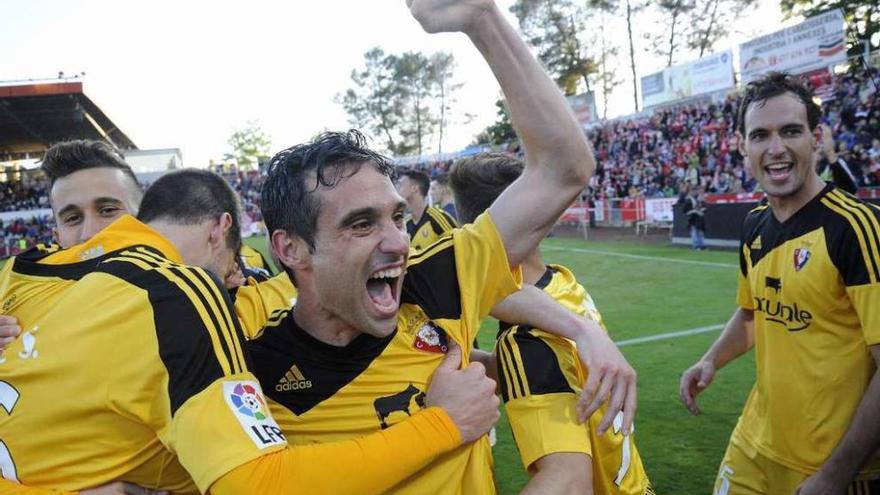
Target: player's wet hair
774, 84
289, 202
67, 157
476, 181
420, 178
191, 196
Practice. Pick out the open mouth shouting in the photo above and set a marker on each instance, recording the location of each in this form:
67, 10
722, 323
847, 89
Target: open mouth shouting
383, 290
779, 171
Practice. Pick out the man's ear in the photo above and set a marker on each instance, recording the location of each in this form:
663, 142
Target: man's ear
220, 230
291, 250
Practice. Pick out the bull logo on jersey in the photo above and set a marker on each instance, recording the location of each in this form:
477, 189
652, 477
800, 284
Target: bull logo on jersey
248, 401
801, 257
431, 339
773, 283
399, 402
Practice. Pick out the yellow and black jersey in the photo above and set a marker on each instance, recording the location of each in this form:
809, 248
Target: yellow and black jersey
323, 393
146, 356
540, 376
256, 303
433, 224
253, 264
813, 283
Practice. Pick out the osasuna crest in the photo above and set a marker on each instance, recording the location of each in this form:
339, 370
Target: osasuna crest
431, 339
801, 257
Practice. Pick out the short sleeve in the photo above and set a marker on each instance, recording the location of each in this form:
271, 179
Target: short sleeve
462, 276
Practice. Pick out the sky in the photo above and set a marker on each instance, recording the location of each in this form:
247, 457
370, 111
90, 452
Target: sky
187, 74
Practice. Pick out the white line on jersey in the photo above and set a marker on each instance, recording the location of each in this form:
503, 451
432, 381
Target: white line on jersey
641, 257
670, 335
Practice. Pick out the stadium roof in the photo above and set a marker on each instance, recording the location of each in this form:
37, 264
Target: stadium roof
34, 116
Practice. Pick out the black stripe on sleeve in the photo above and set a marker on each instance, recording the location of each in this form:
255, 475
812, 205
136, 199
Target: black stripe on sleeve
516, 374
184, 341
432, 283
541, 365
849, 253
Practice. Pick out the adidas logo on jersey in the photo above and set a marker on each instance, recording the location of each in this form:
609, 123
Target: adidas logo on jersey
756, 244
293, 380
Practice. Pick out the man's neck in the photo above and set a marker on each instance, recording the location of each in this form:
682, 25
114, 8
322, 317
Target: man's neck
321, 324
785, 207
417, 206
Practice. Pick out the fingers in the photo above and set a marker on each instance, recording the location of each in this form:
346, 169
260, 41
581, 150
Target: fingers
587, 394
618, 394
607, 381
688, 393
630, 404
452, 361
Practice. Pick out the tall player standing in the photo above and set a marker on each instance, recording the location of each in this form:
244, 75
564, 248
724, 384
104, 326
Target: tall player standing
808, 302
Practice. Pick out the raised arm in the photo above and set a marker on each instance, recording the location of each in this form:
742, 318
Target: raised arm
559, 161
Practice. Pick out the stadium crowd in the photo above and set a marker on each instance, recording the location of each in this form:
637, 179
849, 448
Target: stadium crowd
655, 154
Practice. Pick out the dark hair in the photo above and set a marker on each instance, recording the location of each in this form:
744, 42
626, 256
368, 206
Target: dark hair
67, 157
288, 202
442, 179
476, 181
191, 196
420, 178
775, 84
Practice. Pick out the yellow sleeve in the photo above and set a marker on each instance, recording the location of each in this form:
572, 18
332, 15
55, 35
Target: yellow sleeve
11, 488
363, 466
484, 274
255, 302
225, 426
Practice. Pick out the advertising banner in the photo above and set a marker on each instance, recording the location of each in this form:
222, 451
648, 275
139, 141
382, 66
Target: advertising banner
584, 107
707, 75
817, 42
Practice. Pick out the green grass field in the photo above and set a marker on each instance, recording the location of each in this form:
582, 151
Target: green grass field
641, 291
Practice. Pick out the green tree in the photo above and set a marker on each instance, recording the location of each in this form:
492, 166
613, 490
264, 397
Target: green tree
416, 80
375, 101
862, 19
667, 42
247, 145
443, 78
499, 132
554, 28
629, 9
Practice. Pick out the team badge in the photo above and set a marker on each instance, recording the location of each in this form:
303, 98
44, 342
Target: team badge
801, 257
250, 409
431, 339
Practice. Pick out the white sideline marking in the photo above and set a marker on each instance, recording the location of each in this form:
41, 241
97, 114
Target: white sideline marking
670, 335
641, 257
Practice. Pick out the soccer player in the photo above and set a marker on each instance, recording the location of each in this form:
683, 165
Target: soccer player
539, 373
372, 322
150, 358
426, 223
442, 196
807, 294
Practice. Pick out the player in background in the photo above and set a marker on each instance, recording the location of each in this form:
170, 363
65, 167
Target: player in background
426, 223
215, 450
807, 294
442, 196
539, 373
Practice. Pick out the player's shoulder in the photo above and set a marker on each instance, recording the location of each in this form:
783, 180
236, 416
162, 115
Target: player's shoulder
852, 236
442, 219
843, 208
149, 268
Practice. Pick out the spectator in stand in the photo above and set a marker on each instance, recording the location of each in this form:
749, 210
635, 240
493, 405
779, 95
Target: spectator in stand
693, 205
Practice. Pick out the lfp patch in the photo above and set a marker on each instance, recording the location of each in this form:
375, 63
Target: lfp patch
431, 339
250, 409
801, 257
